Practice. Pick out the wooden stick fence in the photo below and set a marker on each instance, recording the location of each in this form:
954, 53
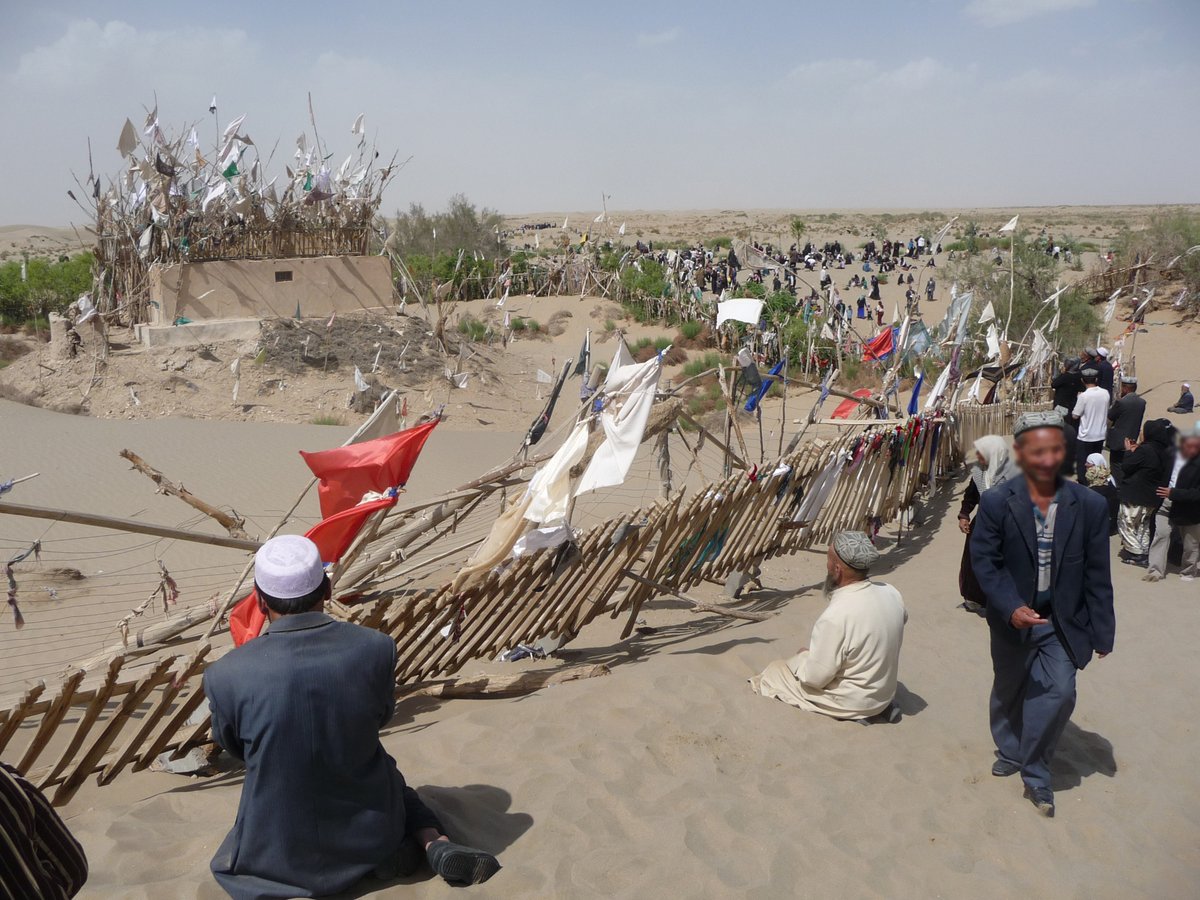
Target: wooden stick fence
139, 708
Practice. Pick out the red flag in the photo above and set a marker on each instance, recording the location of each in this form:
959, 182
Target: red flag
333, 537
848, 406
878, 347
347, 473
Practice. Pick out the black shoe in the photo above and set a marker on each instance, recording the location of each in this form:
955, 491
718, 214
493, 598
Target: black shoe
1042, 798
1124, 554
460, 865
1141, 561
1002, 768
404, 864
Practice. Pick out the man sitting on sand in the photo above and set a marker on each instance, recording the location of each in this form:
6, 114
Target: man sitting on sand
1186, 402
850, 669
323, 805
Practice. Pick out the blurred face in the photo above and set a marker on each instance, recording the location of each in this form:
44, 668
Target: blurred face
979, 459
1190, 448
1040, 454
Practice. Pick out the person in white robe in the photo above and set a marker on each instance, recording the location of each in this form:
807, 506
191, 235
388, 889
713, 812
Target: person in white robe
849, 670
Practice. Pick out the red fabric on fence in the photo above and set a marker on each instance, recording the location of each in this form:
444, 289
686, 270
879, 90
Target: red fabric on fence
848, 406
346, 473
333, 537
878, 347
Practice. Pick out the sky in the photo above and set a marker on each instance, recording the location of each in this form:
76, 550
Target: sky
538, 105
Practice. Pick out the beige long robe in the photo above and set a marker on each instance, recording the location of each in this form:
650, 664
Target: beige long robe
850, 668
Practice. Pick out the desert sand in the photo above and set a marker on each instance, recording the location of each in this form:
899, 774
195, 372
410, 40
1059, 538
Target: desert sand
667, 777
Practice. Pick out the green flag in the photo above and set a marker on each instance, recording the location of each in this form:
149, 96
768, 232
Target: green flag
308, 181
231, 171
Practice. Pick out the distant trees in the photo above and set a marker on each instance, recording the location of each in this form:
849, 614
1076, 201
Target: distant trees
48, 286
460, 227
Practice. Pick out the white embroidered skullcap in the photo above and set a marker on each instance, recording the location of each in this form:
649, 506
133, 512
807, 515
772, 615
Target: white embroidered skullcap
288, 566
855, 549
1031, 420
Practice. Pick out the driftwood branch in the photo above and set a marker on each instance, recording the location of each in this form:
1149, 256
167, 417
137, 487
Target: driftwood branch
234, 524
698, 605
500, 685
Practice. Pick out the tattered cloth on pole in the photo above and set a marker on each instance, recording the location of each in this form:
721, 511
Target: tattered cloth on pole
628, 395
953, 324
938, 390
1111, 308
347, 473
538, 428
127, 142
333, 536
1010, 226
585, 355
1041, 351
814, 500
34, 549
988, 314
757, 395
549, 490
881, 346
993, 342
743, 309
914, 401
919, 341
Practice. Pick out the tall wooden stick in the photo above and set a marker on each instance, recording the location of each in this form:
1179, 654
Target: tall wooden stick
233, 524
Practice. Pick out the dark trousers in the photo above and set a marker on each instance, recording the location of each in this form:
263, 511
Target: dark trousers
1083, 449
1115, 458
1033, 695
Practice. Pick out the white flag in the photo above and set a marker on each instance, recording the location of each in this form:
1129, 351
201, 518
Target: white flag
236, 369
360, 383
827, 332
621, 230
565, 220
1111, 309
212, 107
544, 377
599, 218
1010, 225
358, 127
993, 342
536, 242
232, 128
988, 314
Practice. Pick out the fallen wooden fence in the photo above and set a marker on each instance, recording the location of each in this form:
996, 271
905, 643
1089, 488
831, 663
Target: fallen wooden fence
126, 715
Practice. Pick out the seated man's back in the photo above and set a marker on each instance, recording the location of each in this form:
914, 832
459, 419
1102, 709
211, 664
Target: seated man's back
323, 802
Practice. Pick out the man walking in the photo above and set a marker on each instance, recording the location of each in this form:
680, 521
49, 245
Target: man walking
323, 804
1040, 552
1091, 413
1144, 471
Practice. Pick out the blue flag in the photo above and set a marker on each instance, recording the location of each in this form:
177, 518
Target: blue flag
756, 396
914, 403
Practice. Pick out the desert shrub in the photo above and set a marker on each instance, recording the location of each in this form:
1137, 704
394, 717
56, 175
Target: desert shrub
327, 419
691, 330
472, 329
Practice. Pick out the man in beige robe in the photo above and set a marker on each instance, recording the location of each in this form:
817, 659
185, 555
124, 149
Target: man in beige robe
849, 670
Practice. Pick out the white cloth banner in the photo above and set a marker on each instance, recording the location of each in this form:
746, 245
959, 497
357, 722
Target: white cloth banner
939, 389
993, 342
988, 314
629, 394
1010, 225
745, 309
549, 489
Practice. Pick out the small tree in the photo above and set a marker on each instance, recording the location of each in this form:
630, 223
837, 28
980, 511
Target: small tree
797, 227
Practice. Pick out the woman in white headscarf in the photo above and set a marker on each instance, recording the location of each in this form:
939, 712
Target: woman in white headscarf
1099, 479
993, 466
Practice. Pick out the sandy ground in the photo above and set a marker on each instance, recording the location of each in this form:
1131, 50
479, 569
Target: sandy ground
667, 777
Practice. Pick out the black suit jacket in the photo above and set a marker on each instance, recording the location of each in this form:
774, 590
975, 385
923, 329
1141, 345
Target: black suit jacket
1004, 556
322, 803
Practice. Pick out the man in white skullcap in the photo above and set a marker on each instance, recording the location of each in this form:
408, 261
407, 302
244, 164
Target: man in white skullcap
323, 804
850, 667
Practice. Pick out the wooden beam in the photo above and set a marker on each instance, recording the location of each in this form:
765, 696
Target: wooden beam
233, 524
136, 526
698, 605
737, 460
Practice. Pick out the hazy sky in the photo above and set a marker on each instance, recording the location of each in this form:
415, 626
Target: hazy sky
543, 105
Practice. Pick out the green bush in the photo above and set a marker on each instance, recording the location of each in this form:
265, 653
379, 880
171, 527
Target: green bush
755, 289
691, 330
703, 364
471, 328
50, 286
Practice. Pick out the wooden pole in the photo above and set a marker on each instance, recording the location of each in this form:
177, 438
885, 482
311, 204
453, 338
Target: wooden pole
134, 525
233, 524
783, 407
698, 605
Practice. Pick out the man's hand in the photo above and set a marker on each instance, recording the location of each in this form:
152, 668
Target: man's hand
964, 525
1101, 655
1163, 492
1130, 445
1024, 617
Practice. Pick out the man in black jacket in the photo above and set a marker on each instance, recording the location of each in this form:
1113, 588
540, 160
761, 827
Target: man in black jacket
1040, 550
1144, 471
323, 804
1067, 386
1184, 500
1125, 422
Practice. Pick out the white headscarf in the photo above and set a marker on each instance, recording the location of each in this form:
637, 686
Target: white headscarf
998, 466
